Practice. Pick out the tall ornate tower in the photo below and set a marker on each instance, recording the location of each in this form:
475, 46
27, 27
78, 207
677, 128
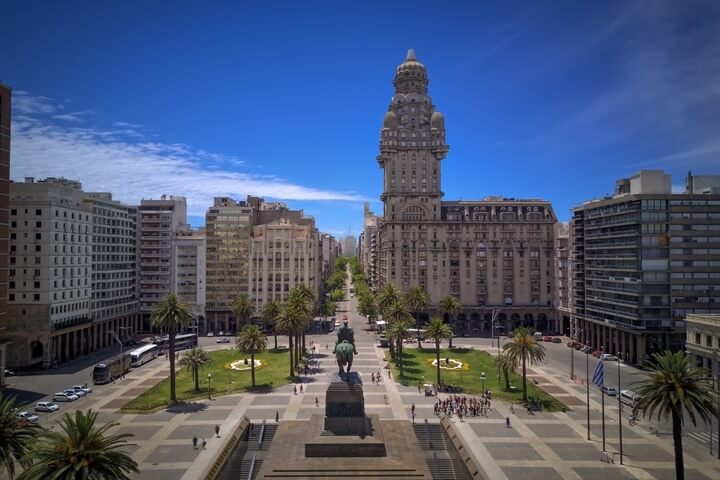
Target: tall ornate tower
412, 143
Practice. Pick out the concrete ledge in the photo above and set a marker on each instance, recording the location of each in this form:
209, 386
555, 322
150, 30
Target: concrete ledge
471, 462
345, 446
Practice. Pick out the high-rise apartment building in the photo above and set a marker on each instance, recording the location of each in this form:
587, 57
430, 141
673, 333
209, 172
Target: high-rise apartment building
159, 222
642, 260
562, 265
283, 255
5, 110
72, 271
368, 246
327, 248
495, 255
348, 246
229, 228
189, 273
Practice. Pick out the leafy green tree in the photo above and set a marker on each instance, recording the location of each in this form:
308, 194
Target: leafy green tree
251, 341
451, 306
193, 360
417, 300
16, 437
388, 295
337, 295
80, 450
171, 315
244, 308
398, 332
523, 349
270, 312
674, 388
506, 366
367, 306
438, 331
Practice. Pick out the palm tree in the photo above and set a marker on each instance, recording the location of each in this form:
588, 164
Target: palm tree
524, 349
16, 438
243, 307
193, 360
451, 306
673, 388
417, 300
171, 314
388, 295
270, 312
398, 332
81, 450
302, 294
396, 312
505, 365
287, 324
437, 330
251, 341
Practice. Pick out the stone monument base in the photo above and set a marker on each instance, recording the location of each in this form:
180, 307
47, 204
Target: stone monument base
328, 444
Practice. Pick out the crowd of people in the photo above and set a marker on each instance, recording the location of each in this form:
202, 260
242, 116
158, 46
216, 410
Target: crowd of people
464, 406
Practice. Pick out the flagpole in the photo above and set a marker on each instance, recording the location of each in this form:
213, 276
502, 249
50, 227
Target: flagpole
587, 383
619, 411
602, 396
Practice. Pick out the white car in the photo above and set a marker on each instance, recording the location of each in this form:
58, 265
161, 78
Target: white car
64, 397
27, 416
210, 334
222, 340
46, 407
610, 391
608, 357
78, 393
83, 388
220, 334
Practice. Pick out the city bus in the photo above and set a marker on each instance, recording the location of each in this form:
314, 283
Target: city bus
143, 355
111, 369
186, 340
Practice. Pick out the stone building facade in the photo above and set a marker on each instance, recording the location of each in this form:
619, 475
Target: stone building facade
189, 272
5, 110
703, 341
495, 255
368, 246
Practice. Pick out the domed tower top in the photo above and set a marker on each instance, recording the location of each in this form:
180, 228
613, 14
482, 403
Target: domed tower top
411, 76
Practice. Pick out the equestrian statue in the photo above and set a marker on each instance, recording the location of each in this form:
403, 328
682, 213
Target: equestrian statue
345, 348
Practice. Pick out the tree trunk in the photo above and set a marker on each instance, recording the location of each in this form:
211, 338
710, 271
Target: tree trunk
196, 377
452, 328
677, 443
275, 335
437, 355
507, 378
252, 369
525, 380
292, 359
417, 327
171, 353
400, 355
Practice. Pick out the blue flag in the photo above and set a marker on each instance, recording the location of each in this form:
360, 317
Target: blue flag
599, 374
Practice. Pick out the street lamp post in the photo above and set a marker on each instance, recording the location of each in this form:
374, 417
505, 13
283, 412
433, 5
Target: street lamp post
482, 377
209, 380
492, 329
117, 339
572, 354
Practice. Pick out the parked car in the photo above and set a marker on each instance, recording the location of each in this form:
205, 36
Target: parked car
220, 333
210, 334
547, 339
608, 357
610, 391
578, 346
84, 388
72, 391
9, 373
557, 340
64, 397
596, 353
222, 340
27, 416
571, 344
46, 407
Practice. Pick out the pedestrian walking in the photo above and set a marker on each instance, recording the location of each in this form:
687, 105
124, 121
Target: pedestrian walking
301, 389
507, 422
194, 440
295, 389
413, 417
277, 416
317, 404
412, 408
418, 387
372, 377
204, 443
217, 431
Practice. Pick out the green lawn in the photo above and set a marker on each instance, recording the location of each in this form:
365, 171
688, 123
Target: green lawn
418, 369
273, 373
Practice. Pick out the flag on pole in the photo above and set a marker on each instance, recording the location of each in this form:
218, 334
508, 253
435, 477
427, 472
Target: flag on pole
599, 374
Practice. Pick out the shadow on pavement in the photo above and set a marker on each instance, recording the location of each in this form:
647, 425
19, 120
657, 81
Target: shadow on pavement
191, 407
23, 396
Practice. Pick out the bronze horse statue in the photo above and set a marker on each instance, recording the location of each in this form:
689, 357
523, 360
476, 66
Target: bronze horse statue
344, 352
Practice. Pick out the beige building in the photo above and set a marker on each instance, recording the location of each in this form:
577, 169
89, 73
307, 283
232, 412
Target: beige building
5, 111
160, 221
495, 255
703, 341
368, 246
72, 271
189, 273
283, 255
348, 246
562, 266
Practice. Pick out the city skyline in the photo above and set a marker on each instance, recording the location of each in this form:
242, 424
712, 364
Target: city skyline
243, 101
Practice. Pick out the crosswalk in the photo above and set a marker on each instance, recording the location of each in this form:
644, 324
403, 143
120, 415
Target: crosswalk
704, 437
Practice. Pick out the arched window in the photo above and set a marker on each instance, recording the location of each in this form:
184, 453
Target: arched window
413, 212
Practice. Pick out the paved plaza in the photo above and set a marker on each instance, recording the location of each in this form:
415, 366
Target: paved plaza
542, 446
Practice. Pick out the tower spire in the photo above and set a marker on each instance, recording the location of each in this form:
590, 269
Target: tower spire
410, 56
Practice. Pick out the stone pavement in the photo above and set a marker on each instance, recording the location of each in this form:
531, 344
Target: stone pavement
543, 446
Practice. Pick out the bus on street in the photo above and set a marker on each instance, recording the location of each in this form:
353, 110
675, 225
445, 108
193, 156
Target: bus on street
142, 355
111, 369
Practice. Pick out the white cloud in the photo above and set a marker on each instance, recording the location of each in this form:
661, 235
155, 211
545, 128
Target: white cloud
72, 116
124, 162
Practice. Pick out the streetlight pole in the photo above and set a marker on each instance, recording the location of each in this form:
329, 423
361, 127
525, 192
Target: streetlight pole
117, 338
482, 377
492, 329
209, 379
572, 354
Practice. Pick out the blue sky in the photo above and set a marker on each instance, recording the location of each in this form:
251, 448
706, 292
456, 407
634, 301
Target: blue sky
285, 100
